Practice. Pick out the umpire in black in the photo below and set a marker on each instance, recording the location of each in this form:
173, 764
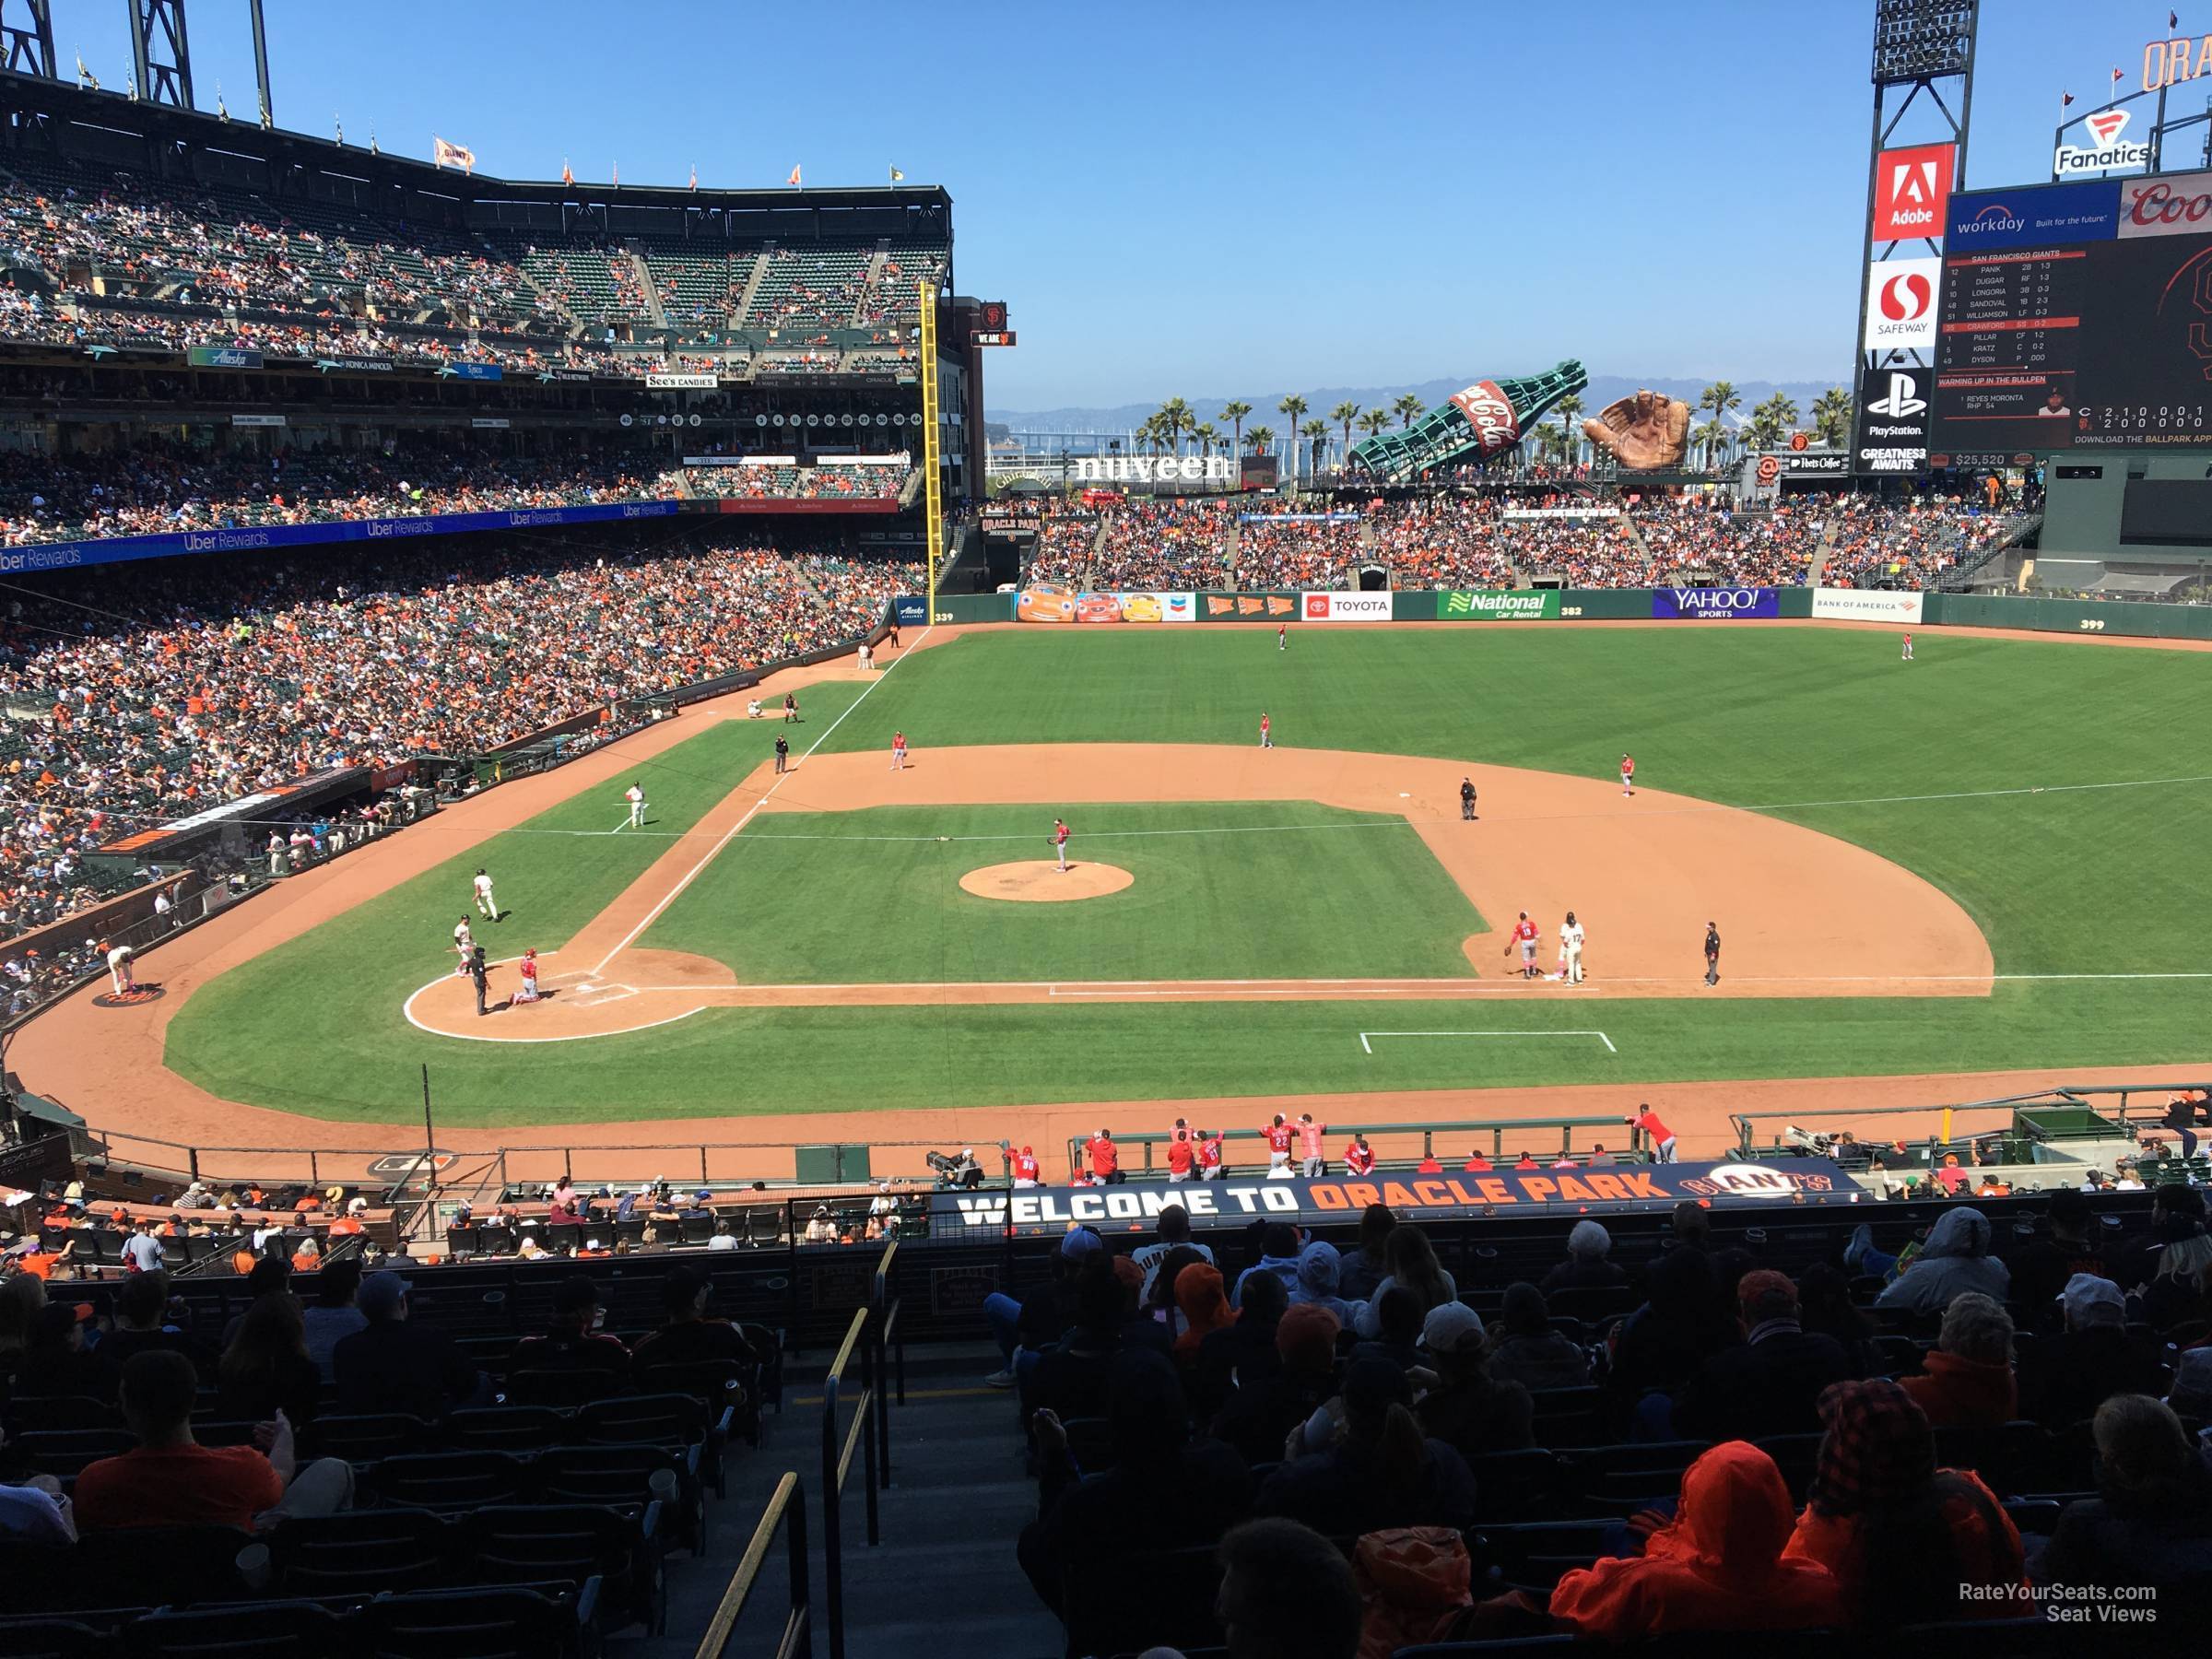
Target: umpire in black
1466, 799
477, 972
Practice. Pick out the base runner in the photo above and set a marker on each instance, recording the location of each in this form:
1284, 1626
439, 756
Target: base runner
1570, 950
486, 904
464, 942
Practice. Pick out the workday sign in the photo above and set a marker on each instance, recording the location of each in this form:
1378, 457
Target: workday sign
1153, 469
1715, 605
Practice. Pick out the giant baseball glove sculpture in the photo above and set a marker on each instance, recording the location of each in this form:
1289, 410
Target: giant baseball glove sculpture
1641, 432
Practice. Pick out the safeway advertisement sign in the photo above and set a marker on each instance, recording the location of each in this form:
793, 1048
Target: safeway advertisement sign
1866, 605
1345, 607
1901, 303
1909, 189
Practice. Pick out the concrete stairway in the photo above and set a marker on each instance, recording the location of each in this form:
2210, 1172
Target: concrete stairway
959, 1497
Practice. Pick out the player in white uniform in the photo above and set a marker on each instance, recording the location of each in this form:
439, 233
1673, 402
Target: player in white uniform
486, 904
1570, 950
636, 797
463, 942
119, 967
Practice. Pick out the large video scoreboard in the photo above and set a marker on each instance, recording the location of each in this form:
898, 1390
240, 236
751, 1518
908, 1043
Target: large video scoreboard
2075, 317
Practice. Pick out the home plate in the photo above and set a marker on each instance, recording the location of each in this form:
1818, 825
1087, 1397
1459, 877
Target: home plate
587, 989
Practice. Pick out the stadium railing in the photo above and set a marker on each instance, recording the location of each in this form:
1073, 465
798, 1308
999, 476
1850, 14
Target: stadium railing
837, 1465
2062, 1112
786, 1510
890, 1346
1378, 1136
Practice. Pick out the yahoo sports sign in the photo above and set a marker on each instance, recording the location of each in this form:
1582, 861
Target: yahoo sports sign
1715, 605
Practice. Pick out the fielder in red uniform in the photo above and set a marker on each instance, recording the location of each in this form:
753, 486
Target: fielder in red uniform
1278, 1136
1209, 1156
1524, 935
1627, 775
1663, 1139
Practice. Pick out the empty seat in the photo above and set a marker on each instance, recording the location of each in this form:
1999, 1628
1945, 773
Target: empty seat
274, 1629
550, 1621
445, 1480
505, 1428
661, 1419
64, 1452
362, 1551
363, 1438
626, 1474
573, 1543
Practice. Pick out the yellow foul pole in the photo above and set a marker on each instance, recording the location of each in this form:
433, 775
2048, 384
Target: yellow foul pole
931, 496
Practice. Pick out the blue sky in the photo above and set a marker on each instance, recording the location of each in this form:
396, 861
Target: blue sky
1201, 199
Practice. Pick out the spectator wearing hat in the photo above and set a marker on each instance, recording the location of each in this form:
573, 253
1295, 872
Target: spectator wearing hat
821, 1227
1279, 1250
1770, 1383
1967, 1380
1320, 1272
1465, 1406
171, 1480
1525, 1347
1366, 1463
1043, 1313
2041, 1263
1586, 1267
1956, 1257
393, 1363
2065, 1378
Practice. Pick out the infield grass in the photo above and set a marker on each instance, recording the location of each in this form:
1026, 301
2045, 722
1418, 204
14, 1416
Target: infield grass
1310, 893
2107, 871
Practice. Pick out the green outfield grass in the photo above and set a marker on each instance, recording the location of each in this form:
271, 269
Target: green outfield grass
2105, 872
847, 896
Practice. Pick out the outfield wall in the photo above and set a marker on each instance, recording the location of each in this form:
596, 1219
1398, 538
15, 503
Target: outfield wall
1903, 608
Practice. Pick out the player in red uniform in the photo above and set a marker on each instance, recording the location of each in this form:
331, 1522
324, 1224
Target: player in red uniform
1266, 741
1209, 1156
1476, 1163
1282, 636
1524, 935
1359, 1158
1663, 1139
1025, 1168
898, 751
1627, 775
1060, 842
1908, 645
1278, 1136
1180, 1158
1312, 1160
1106, 1158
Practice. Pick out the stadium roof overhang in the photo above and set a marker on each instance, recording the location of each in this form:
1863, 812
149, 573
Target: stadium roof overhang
282, 150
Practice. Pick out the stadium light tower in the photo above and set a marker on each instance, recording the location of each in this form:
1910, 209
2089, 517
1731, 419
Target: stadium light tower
27, 47
160, 55
1923, 60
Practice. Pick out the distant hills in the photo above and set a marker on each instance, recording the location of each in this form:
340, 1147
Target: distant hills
1604, 389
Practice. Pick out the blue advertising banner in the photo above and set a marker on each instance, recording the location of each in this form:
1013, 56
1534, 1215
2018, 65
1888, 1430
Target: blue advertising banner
66, 556
912, 609
222, 357
470, 372
1238, 1199
2034, 215
1715, 605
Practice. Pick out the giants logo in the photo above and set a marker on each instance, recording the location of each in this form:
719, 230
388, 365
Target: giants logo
2167, 207
1496, 426
1909, 188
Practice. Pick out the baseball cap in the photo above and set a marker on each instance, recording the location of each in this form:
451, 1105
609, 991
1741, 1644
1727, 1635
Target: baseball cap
1451, 1327
1080, 1241
2086, 1293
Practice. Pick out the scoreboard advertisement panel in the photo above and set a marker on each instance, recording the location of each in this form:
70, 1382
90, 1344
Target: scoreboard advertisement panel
2075, 317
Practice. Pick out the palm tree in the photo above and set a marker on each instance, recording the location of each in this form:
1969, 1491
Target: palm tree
1234, 414
1831, 415
1375, 422
1567, 409
1206, 434
1258, 439
1710, 439
1317, 434
1175, 419
1406, 407
1721, 399
1771, 419
1343, 414
1294, 408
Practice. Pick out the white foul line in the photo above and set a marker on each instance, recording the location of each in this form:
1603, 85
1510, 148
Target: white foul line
693, 873
1370, 1047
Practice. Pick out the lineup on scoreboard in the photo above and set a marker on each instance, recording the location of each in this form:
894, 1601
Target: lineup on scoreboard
2077, 315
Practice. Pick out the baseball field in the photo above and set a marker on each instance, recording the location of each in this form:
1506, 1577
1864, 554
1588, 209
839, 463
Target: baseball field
1993, 858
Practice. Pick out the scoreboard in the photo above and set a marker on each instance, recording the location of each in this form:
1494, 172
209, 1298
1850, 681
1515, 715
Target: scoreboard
2075, 317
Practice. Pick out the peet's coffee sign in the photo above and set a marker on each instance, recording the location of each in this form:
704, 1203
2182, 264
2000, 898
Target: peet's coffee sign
1236, 1203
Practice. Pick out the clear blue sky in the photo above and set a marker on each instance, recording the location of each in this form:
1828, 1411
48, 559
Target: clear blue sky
1201, 199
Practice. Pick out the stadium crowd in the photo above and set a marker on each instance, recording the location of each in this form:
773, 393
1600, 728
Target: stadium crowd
777, 481
1840, 1447
235, 676
1913, 543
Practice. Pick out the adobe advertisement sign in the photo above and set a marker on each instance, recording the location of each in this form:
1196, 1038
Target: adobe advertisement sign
1909, 188
1715, 605
1236, 1202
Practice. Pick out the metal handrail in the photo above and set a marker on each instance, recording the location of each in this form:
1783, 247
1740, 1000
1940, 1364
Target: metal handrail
787, 1503
2078, 1094
837, 1464
889, 1340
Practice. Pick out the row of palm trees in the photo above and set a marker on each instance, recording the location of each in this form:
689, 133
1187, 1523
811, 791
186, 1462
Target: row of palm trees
1725, 436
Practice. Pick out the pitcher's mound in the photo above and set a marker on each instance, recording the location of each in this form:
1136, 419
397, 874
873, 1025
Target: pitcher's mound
1041, 882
